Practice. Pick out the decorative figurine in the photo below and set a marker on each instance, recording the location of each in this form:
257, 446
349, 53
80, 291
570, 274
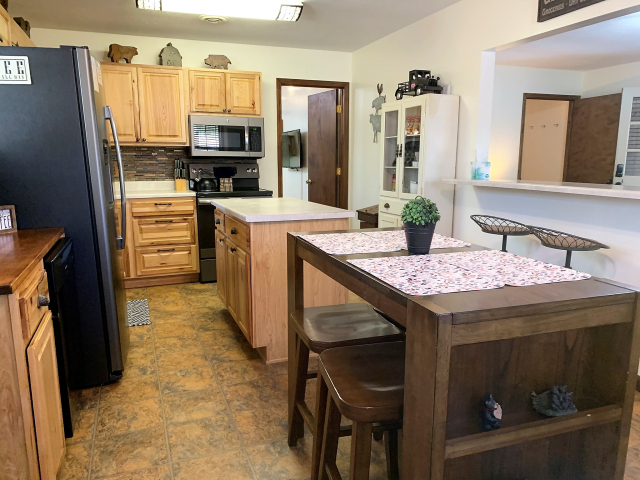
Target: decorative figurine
420, 81
4, 4
24, 25
554, 403
490, 413
170, 56
218, 61
376, 119
118, 52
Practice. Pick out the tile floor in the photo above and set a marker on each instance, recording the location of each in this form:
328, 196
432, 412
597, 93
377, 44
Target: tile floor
197, 403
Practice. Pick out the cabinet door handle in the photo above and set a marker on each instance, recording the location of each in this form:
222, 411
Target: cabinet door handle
233, 231
144, 139
224, 111
221, 240
218, 221
229, 110
233, 249
168, 203
137, 139
43, 301
386, 205
164, 221
166, 250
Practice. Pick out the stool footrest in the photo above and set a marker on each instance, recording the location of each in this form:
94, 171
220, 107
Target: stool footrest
311, 375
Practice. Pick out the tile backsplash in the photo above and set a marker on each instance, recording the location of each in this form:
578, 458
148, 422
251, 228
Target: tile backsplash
149, 163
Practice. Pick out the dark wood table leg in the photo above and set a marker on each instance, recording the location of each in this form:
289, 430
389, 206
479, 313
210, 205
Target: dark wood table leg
419, 392
295, 291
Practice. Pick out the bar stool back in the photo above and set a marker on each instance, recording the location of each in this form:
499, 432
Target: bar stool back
565, 241
318, 329
501, 226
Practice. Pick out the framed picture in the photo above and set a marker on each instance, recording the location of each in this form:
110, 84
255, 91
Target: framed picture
8, 219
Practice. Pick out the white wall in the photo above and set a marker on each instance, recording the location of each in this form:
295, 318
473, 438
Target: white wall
506, 117
457, 37
273, 62
605, 81
295, 116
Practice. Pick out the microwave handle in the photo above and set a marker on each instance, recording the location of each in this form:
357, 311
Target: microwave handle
246, 138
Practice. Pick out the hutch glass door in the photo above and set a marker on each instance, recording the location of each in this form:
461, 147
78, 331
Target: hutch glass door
410, 151
390, 154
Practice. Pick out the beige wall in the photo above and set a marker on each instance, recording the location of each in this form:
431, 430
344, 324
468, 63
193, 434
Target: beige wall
273, 62
451, 42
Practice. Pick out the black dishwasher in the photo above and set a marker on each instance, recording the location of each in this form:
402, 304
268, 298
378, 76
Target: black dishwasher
60, 266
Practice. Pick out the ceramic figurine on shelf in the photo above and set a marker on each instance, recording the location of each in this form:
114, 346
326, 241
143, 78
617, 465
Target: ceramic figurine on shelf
218, 61
490, 413
118, 52
376, 119
556, 402
170, 56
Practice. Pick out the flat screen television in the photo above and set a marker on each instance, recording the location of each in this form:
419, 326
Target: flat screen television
292, 149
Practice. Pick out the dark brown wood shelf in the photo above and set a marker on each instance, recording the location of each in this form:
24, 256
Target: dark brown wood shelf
486, 441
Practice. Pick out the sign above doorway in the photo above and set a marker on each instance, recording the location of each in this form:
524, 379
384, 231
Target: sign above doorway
548, 9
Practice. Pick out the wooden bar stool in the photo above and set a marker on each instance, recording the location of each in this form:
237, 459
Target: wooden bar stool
365, 384
320, 328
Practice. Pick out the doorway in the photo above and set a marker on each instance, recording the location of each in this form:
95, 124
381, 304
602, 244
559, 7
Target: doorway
313, 140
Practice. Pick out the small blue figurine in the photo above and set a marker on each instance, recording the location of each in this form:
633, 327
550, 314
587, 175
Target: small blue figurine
490, 413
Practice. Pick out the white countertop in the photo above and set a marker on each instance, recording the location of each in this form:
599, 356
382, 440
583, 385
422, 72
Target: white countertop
591, 189
257, 210
151, 189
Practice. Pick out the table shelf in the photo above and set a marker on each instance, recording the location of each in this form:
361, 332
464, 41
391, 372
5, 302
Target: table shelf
504, 437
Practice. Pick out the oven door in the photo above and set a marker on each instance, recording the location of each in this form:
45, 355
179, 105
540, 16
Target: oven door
213, 136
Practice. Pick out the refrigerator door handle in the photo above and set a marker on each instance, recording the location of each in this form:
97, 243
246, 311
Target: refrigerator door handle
120, 240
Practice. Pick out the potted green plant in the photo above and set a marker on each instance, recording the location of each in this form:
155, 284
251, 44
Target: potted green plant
419, 217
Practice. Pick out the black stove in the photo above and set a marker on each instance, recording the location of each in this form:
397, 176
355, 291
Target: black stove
219, 179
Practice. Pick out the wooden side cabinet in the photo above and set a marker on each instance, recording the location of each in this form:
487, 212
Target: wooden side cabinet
221, 265
45, 396
238, 269
244, 93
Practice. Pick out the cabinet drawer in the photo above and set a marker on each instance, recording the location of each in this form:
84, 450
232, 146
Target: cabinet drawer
168, 260
391, 205
386, 220
219, 220
238, 232
31, 310
164, 231
162, 206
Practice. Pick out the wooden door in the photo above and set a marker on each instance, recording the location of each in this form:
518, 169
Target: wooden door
207, 91
594, 139
162, 108
121, 94
45, 397
244, 93
221, 266
322, 148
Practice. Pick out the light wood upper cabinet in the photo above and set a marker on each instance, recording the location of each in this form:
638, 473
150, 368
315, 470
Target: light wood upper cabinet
10, 32
121, 94
45, 392
244, 93
207, 91
4, 28
162, 108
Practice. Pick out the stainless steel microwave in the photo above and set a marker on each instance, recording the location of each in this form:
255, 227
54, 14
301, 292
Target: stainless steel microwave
214, 136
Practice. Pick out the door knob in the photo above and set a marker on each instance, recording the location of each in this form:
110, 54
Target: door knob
144, 139
229, 110
43, 301
233, 250
309, 182
218, 221
224, 110
386, 205
233, 231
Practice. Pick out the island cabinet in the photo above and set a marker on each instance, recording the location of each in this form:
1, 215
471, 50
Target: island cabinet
32, 443
161, 246
251, 263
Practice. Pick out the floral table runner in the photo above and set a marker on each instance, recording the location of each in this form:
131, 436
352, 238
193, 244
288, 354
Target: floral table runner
398, 238
373, 242
463, 271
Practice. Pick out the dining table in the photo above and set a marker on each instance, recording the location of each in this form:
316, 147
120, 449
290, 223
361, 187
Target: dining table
513, 342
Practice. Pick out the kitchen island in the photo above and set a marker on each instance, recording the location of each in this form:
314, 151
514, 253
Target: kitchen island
251, 252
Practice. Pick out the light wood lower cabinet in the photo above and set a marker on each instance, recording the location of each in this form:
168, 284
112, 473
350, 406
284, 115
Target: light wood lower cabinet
221, 265
45, 394
162, 242
238, 270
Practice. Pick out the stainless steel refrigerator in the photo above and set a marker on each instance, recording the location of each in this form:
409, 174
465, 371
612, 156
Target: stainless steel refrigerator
56, 168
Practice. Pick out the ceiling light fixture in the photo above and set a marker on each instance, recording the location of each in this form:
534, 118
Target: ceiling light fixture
252, 9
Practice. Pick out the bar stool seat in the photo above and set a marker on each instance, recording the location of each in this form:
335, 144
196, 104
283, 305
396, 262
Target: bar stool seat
365, 384
318, 329
334, 326
565, 241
